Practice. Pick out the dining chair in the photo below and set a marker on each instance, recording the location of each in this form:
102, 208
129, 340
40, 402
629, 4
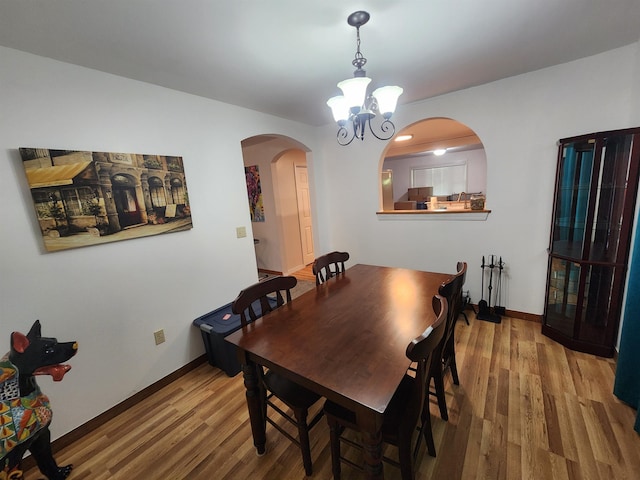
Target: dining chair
252, 303
449, 353
329, 265
445, 354
406, 407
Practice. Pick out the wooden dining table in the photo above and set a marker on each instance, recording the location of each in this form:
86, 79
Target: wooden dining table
346, 340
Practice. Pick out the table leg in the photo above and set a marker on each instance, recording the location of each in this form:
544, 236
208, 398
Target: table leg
255, 404
371, 431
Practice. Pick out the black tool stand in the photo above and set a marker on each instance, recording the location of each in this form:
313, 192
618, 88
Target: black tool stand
485, 312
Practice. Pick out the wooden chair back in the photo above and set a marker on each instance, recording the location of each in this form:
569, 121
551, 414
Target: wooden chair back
420, 351
452, 291
329, 265
461, 277
421, 347
261, 298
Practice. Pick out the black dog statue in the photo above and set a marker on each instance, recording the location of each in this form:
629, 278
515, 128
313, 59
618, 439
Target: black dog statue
25, 414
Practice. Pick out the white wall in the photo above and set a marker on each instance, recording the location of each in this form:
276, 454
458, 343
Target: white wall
519, 120
112, 297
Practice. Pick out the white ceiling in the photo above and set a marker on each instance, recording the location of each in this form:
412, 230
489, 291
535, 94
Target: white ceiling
284, 57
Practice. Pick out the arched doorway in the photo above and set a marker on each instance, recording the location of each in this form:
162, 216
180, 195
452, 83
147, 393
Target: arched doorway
284, 236
124, 196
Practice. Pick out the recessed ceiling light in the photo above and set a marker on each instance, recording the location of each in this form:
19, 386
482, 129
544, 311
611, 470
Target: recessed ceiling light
440, 151
403, 138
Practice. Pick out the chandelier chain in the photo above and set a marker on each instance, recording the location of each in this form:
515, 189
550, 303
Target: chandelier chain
359, 61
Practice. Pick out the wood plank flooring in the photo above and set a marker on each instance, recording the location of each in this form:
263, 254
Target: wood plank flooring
306, 273
526, 408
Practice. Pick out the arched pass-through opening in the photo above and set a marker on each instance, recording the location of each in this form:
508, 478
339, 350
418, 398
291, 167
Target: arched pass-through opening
436, 165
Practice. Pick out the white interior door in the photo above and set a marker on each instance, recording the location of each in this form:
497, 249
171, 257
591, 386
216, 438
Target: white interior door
304, 213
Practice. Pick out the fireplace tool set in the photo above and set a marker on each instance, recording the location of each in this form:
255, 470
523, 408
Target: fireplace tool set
485, 310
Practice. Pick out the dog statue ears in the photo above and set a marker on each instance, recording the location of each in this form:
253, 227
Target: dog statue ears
20, 342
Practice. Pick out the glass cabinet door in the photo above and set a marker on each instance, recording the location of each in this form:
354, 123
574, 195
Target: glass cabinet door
608, 210
598, 306
572, 199
562, 297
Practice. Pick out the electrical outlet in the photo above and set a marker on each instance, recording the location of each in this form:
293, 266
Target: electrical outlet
241, 232
159, 336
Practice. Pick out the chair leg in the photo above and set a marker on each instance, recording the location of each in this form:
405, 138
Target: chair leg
438, 382
264, 396
454, 368
427, 432
334, 437
406, 458
450, 355
303, 438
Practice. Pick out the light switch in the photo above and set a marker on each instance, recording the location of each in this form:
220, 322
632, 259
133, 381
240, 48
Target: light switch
241, 232
159, 336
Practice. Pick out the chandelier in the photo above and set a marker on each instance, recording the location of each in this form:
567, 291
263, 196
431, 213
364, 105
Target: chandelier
355, 109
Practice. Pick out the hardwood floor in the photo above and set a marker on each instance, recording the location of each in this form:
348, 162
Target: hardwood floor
526, 408
305, 274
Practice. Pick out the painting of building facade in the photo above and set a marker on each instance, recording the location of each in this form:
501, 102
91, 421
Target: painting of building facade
86, 198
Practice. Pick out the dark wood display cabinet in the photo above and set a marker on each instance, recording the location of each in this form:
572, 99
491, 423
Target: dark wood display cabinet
595, 196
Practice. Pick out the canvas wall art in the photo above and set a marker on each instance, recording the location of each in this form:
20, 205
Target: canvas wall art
86, 198
254, 191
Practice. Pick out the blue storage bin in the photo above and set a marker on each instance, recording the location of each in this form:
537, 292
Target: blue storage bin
214, 328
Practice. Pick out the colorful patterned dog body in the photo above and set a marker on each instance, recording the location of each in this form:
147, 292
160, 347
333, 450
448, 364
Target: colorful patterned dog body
20, 417
25, 413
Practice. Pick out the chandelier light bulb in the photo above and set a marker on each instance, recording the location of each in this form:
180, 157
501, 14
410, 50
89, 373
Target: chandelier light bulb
339, 108
355, 91
387, 98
